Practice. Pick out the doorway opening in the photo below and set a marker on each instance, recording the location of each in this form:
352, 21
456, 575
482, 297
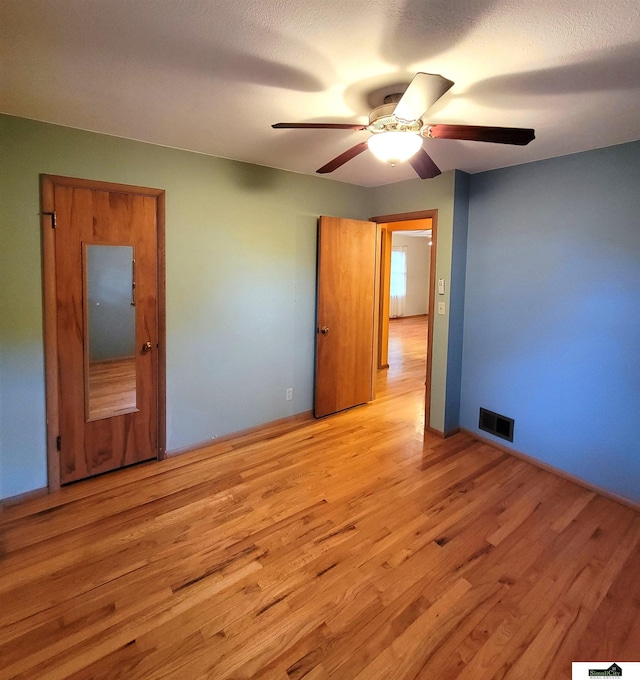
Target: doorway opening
406, 334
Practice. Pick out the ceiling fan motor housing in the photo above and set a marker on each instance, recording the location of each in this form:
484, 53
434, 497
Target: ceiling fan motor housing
382, 119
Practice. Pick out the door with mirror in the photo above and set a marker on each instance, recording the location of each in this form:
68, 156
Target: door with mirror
103, 326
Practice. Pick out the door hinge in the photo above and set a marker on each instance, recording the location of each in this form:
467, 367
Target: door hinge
58, 443
54, 219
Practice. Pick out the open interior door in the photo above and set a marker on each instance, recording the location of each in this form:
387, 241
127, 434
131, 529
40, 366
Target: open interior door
346, 320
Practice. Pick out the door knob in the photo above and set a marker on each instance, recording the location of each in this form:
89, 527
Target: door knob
147, 346
324, 330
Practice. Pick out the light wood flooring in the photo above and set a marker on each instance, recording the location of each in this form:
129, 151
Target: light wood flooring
350, 547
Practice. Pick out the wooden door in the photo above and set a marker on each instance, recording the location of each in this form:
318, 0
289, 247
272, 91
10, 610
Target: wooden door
346, 314
101, 244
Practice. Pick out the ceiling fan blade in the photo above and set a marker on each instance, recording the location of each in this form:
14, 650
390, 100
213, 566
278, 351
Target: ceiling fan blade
423, 92
481, 133
320, 126
343, 158
423, 164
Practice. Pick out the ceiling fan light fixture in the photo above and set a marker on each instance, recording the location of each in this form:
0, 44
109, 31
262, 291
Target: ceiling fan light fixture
394, 146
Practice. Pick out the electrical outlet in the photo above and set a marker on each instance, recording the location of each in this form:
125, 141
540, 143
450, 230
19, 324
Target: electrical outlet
289, 393
441, 308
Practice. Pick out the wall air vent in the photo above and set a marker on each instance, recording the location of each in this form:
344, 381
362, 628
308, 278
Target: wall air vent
495, 424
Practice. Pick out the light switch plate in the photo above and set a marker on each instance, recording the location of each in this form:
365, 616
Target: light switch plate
441, 308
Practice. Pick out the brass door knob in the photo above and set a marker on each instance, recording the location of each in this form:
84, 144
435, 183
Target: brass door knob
147, 346
324, 330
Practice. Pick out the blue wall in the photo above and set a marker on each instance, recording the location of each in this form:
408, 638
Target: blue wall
552, 311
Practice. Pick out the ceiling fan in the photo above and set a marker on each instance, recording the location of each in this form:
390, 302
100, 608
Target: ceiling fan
398, 128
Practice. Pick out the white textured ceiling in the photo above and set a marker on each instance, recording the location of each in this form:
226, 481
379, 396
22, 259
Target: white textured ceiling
213, 76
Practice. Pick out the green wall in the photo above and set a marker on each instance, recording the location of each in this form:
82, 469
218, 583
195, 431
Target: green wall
241, 271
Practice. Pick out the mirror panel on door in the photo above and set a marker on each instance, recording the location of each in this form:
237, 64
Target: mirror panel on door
110, 333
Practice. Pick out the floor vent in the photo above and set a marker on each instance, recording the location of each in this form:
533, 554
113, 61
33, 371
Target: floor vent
498, 425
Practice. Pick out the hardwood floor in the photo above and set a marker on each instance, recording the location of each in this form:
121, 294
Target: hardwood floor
407, 355
349, 547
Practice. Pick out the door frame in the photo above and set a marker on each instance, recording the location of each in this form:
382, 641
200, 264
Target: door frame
388, 230
50, 332
384, 280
